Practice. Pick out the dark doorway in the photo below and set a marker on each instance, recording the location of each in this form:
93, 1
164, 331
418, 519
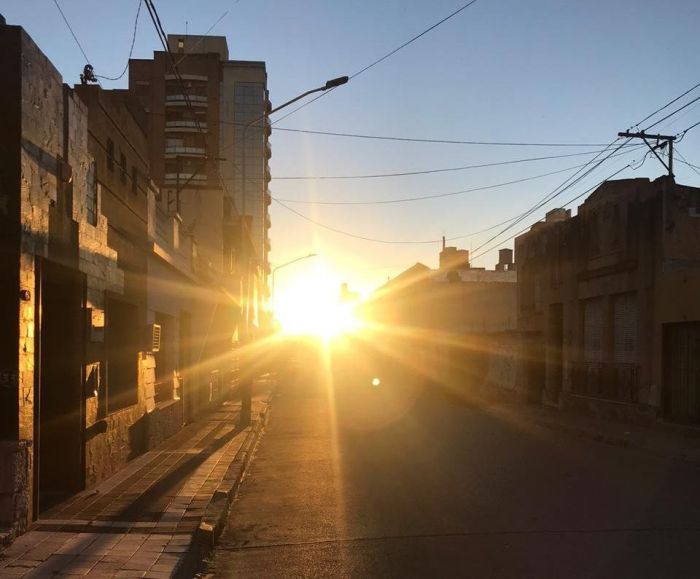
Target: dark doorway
59, 401
681, 392
534, 366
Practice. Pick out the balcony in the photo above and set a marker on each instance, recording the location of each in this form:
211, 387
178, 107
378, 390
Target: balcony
194, 77
268, 223
178, 151
607, 380
186, 126
181, 100
268, 198
175, 178
268, 150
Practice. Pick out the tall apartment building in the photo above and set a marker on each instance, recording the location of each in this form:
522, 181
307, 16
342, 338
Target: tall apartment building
203, 157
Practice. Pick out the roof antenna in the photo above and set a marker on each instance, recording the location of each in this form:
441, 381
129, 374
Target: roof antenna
443, 243
186, 27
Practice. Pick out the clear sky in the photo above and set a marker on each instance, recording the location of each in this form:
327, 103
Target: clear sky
501, 70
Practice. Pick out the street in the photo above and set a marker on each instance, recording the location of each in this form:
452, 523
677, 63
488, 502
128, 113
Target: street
356, 480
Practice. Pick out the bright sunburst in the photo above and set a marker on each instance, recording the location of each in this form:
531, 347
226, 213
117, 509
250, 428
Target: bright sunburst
311, 305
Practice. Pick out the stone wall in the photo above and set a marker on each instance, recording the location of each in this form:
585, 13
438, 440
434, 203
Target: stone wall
15, 469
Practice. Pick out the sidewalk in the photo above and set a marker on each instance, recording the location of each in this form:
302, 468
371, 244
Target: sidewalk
152, 519
662, 439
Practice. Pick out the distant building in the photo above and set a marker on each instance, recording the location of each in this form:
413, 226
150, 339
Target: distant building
451, 320
608, 302
197, 152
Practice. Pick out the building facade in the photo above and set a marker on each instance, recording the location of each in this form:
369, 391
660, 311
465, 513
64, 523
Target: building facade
606, 303
204, 156
119, 323
453, 325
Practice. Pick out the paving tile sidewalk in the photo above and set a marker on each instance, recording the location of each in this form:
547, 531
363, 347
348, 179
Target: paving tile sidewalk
661, 439
142, 521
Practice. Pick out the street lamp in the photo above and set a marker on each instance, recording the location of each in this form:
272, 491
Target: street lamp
274, 270
246, 385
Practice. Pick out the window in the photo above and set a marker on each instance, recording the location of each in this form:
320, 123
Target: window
134, 179
122, 164
110, 154
91, 195
122, 354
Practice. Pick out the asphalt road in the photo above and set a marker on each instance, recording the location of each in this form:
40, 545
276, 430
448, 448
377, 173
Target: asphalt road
399, 480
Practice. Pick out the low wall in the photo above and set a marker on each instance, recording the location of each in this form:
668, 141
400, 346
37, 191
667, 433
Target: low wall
15, 499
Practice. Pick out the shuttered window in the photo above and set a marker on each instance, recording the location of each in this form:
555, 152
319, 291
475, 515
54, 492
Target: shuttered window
593, 330
625, 329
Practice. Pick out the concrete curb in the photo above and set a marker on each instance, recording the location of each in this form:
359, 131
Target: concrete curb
214, 520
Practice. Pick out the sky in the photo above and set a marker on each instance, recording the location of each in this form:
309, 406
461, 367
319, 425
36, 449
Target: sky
555, 71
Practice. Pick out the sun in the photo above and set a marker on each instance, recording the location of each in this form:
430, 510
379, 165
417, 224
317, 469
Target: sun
312, 306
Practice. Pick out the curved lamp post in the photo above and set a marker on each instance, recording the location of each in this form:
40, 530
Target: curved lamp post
246, 388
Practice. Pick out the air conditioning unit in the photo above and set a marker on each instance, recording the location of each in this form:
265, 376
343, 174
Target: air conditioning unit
154, 337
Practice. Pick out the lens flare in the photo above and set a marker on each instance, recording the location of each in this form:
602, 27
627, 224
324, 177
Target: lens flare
313, 307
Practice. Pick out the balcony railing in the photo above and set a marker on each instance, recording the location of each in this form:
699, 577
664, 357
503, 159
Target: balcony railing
174, 178
185, 151
181, 99
185, 126
607, 380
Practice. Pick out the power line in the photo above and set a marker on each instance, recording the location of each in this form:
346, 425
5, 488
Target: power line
450, 194
70, 28
427, 140
131, 50
387, 55
405, 44
430, 171
685, 161
510, 222
586, 192
668, 104
376, 240
559, 191
690, 128
412, 139
554, 194
679, 109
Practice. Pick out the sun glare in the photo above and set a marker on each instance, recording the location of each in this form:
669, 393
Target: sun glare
312, 306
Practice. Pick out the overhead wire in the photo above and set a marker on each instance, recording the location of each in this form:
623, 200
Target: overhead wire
70, 28
131, 49
449, 194
668, 104
430, 171
438, 141
383, 58
476, 253
685, 161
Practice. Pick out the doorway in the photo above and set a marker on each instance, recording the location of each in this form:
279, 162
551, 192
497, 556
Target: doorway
58, 405
681, 392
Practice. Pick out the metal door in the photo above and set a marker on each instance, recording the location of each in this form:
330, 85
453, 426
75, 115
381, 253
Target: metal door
682, 372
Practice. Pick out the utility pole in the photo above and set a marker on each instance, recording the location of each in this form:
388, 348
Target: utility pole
661, 142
